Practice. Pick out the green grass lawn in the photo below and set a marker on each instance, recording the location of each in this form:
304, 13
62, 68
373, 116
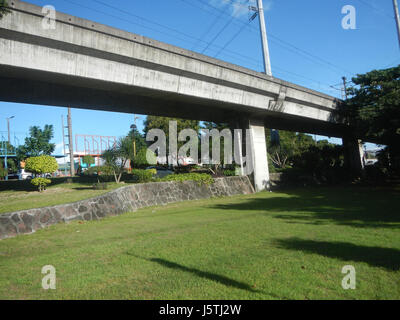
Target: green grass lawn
282, 245
14, 200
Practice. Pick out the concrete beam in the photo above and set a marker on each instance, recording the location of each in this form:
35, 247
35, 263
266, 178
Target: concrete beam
142, 75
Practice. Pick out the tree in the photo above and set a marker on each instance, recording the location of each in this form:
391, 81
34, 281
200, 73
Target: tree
117, 156
4, 8
139, 143
5, 145
135, 135
162, 123
374, 108
11, 165
142, 156
39, 166
8, 149
154, 122
38, 143
3, 171
88, 160
290, 145
320, 157
215, 168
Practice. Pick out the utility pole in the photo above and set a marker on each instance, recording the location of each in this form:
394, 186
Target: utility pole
70, 143
345, 87
397, 17
264, 40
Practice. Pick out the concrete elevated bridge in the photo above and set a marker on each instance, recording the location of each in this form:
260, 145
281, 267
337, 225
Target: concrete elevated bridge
84, 64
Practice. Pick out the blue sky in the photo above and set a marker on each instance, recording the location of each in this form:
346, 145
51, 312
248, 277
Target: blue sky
308, 46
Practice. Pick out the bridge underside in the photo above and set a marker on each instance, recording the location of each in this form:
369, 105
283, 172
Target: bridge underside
83, 64
52, 89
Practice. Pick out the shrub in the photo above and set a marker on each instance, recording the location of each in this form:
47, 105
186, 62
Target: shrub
201, 178
41, 183
142, 176
91, 171
41, 164
102, 173
100, 186
229, 173
144, 158
152, 171
104, 170
98, 170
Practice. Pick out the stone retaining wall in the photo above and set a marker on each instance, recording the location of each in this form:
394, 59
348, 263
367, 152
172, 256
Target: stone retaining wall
119, 201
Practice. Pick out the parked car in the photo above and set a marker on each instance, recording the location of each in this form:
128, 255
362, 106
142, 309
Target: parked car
24, 175
13, 176
371, 162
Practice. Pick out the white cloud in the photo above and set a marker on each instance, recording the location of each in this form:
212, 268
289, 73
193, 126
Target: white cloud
59, 148
239, 8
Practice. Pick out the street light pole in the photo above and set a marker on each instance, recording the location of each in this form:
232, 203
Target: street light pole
8, 127
70, 143
134, 138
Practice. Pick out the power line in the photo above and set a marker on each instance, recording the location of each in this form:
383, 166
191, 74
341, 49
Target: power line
209, 44
141, 18
380, 11
224, 47
190, 38
208, 29
238, 55
229, 41
218, 34
281, 42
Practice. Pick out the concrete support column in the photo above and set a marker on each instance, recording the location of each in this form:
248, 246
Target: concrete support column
259, 155
254, 149
353, 154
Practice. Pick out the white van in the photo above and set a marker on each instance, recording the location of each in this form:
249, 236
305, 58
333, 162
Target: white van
23, 175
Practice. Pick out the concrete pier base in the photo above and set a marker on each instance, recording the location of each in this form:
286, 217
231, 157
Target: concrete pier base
354, 155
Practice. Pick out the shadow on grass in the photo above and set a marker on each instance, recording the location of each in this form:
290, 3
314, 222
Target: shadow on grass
357, 207
201, 274
387, 258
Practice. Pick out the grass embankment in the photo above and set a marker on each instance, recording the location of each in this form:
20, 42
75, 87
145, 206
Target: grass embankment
281, 245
